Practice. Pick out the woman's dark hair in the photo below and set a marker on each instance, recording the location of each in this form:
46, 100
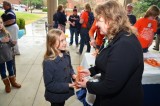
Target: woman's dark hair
152, 11
60, 7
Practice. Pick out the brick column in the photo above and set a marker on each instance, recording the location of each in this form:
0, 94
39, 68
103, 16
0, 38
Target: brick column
52, 7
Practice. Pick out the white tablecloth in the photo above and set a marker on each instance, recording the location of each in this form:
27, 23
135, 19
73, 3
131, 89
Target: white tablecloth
151, 75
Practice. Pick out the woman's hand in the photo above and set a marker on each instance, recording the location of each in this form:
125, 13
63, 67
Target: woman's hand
93, 42
72, 85
84, 73
82, 84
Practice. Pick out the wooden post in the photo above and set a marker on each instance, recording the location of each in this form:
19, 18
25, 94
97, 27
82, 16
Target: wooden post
52, 7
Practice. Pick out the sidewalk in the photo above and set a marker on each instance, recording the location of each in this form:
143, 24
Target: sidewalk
29, 70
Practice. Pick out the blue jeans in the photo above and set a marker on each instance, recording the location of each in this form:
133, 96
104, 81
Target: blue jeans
73, 31
9, 65
84, 40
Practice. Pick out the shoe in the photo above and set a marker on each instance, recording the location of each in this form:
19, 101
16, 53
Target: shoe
155, 49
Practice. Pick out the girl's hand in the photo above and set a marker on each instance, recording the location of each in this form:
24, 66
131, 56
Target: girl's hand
5, 39
14, 42
74, 76
72, 85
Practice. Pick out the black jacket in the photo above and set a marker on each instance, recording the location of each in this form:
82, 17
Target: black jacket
61, 18
121, 66
132, 19
57, 74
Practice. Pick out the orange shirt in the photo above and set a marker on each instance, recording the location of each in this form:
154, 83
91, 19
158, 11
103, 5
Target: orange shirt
140, 25
99, 38
143, 23
84, 16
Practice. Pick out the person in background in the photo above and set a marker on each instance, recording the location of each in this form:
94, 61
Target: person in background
98, 40
9, 20
74, 25
6, 59
57, 69
132, 18
156, 47
147, 22
84, 30
120, 62
61, 18
55, 20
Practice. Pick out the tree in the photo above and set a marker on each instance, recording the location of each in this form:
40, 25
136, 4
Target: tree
141, 6
64, 2
33, 3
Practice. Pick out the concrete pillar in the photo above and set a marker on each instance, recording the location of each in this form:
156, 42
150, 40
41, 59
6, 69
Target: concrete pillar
52, 7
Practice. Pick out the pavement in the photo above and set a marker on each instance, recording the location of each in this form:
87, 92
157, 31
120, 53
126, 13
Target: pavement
29, 69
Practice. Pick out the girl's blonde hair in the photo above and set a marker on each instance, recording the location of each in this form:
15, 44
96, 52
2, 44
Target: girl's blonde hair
152, 11
115, 15
52, 37
3, 30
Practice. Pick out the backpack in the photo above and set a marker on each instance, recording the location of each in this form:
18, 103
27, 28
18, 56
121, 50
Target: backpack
146, 36
90, 20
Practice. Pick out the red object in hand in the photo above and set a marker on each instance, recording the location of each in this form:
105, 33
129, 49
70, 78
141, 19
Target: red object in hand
78, 78
78, 73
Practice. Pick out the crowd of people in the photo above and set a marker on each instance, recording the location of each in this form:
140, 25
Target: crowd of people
120, 41
118, 38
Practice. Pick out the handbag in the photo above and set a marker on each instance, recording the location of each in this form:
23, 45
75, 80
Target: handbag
81, 95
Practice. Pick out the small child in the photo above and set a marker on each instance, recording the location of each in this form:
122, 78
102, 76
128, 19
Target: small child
6, 59
57, 69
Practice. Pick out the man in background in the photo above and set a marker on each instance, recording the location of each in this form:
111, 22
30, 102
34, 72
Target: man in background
132, 18
9, 20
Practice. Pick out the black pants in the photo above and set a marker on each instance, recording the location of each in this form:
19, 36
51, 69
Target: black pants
58, 104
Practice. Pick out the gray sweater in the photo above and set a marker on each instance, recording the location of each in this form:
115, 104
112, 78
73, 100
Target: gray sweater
6, 53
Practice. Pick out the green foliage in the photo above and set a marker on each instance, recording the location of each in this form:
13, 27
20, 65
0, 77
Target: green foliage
21, 23
44, 9
141, 6
33, 2
64, 2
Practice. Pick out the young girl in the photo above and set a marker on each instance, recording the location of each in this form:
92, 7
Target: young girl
6, 59
57, 69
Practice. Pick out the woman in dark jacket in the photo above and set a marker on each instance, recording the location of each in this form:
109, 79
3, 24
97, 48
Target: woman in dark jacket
57, 69
61, 18
120, 60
